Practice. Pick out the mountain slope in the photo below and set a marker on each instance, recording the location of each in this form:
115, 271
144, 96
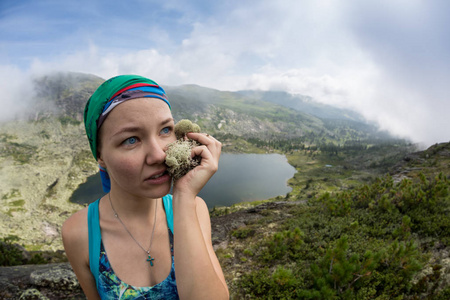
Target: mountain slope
63, 94
44, 157
250, 114
305, 104
232, 113
386, 239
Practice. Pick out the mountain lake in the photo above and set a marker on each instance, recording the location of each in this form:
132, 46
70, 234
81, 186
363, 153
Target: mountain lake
240, 178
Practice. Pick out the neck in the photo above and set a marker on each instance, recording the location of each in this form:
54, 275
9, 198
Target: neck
132, 207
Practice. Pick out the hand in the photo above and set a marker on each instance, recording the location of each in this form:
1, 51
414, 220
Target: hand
195, 180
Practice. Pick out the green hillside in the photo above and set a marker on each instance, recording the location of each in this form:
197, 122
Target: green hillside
305, 104
367, 217
386, 239
45, 156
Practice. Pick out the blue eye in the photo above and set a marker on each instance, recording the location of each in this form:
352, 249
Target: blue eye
165, 130
130, 141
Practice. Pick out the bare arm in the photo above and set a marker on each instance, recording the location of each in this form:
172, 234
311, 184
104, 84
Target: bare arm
76, 244
198, 272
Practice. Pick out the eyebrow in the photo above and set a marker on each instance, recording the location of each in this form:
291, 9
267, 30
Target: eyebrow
168, 120
138, 128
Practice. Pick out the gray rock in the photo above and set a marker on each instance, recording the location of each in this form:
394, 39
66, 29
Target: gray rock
50, 281
59, 276
32, 294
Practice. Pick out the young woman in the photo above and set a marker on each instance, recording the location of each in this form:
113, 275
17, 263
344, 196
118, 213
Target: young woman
138, 241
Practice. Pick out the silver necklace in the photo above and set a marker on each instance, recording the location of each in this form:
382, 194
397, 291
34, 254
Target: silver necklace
150, 259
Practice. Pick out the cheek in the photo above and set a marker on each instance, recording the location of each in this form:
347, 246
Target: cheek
170, 142
123, 167
172, 139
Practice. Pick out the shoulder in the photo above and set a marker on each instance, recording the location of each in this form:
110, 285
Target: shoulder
75, 223
75, 237
200, 203
75, 233
203, 214
201, 206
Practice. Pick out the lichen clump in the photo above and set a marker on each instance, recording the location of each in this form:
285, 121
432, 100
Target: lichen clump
178, 153
185, 126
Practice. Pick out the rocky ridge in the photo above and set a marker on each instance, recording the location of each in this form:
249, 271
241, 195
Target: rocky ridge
36, 185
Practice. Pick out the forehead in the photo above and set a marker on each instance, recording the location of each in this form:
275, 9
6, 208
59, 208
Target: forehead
142, 111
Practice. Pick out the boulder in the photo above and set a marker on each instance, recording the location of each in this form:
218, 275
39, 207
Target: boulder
50, 281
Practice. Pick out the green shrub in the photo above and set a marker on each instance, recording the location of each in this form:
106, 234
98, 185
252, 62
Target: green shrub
243, 232
282, 283
367, 243
12, 255
281, 244
338, 204
339, 272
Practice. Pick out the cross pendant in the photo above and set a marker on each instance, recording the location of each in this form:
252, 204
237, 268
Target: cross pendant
150, 259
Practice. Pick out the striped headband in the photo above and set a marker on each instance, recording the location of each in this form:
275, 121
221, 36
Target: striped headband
108, 95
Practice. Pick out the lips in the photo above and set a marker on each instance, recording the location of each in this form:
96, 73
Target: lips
158, 177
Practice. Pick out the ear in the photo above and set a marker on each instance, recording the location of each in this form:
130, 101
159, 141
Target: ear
100, 161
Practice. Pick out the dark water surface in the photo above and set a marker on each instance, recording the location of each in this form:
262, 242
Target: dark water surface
241, 177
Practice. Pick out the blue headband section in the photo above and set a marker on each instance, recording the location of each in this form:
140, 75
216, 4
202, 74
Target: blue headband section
154, 92
106, 182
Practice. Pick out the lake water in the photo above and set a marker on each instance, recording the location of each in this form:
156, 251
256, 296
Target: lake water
241, 177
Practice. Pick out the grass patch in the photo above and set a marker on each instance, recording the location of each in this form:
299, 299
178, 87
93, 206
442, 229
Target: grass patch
66, 120
16, 203
21, 153
12, 194
243, 232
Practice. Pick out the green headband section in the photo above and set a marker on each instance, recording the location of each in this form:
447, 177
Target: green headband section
94, 106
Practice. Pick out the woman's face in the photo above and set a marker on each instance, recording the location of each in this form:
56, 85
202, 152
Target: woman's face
132, 142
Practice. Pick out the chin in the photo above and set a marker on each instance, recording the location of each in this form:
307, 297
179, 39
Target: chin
159, 191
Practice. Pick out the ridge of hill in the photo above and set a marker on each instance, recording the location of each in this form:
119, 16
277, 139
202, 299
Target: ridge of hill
45, 157
247, 114
305, 104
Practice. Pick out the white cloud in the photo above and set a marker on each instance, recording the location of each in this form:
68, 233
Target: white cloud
387, 60
17, 93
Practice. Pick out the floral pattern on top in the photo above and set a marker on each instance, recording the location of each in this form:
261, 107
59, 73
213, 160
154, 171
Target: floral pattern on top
110, 286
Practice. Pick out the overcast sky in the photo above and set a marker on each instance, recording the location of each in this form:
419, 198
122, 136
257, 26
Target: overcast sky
387, 59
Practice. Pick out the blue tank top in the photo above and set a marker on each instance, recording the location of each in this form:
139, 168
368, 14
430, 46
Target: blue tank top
109, 286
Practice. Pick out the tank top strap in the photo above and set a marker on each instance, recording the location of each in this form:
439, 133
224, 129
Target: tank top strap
95, 238
167, 201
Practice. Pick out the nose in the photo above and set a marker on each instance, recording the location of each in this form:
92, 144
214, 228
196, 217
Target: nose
155, 153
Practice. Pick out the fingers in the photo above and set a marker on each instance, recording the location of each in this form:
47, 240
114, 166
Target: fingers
203, 138
209, 152
209, 141
208, 158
